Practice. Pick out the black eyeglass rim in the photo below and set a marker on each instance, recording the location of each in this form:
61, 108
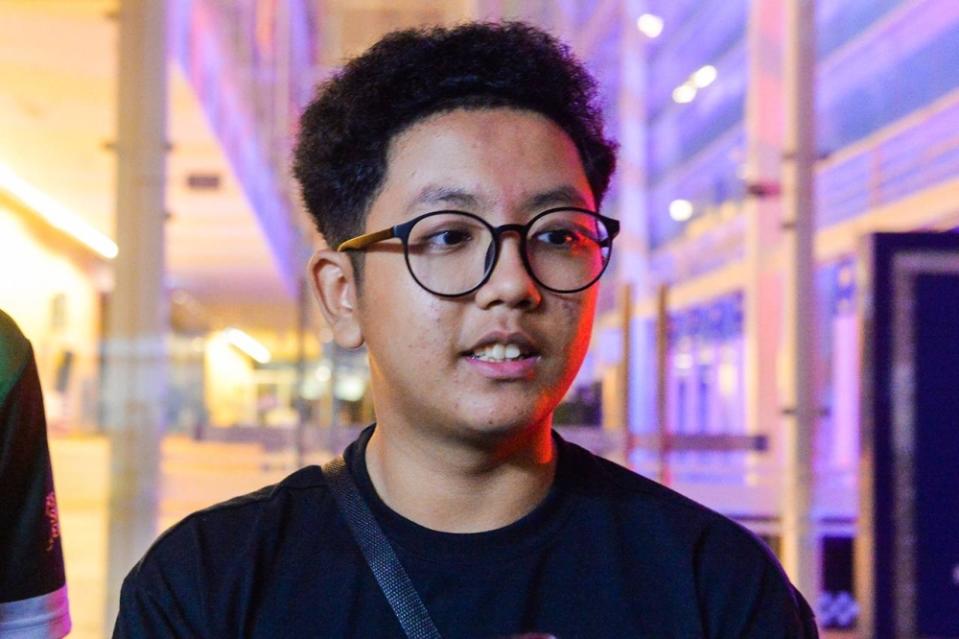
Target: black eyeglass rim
402, 232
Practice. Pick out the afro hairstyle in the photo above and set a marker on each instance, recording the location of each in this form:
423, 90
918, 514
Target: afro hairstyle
340, 158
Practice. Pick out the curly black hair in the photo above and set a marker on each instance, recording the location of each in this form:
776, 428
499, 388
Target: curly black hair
341, 153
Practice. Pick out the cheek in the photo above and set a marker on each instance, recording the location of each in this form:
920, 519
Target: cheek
572, 326
401, 319
578, 319
428, 326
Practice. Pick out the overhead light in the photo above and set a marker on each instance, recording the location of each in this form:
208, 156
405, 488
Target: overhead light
680, 210
650, 25
704, 76
55, 214
248, 345
684, 93
700, 79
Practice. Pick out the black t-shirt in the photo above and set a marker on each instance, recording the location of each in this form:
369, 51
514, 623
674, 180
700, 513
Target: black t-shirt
608, 553
32, 585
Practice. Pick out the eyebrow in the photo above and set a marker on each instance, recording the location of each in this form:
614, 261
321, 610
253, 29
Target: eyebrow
445, 195
561, 195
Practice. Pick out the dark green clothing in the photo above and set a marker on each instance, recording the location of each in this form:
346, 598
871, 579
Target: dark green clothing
32, 584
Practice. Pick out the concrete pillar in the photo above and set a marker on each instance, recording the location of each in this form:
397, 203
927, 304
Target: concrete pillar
798, 365
135, 353
616, 404
662, 384
762, 302
763, 210
632, 245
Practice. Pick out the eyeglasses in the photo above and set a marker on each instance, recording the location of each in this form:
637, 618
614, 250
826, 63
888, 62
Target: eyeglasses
453, 253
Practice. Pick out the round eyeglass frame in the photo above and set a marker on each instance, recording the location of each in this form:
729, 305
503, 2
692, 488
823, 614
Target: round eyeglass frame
402, 231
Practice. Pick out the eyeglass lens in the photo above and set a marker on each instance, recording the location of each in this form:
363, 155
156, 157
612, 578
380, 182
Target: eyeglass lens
451, 253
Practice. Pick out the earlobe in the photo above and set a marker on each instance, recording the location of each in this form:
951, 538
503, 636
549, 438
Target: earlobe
334, 285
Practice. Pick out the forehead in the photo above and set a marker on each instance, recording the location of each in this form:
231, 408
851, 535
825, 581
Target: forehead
499, 159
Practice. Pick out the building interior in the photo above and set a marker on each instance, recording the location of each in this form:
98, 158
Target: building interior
729, 360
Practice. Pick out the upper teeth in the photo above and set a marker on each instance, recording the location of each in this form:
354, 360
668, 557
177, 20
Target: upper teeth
498, 351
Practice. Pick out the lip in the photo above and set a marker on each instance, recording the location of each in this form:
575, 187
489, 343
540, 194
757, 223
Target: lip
510, 369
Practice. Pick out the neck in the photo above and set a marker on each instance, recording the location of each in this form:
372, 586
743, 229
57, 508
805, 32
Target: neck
454, 486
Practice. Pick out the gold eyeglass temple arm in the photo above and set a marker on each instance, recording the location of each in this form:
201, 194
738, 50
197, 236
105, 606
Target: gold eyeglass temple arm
362, 241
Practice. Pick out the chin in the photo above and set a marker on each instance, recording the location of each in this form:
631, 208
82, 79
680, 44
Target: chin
506, 425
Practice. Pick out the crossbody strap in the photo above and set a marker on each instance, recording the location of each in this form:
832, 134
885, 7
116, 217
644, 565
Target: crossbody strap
379, 554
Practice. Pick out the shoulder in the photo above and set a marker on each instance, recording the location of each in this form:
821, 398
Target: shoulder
248, 508
215, 557
15, 353
220, 533
657, 505
736, 579
667, 513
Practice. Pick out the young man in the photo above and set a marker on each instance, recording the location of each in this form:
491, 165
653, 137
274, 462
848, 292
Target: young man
459, 173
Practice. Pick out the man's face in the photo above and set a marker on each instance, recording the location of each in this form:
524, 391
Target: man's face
433, 361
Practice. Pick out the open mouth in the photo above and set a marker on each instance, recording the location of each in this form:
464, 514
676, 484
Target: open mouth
501, 352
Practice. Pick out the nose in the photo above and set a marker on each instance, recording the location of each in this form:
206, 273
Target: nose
510, 284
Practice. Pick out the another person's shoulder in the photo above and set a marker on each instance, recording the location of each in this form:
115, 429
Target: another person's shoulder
33, 596
15, 354
9, 329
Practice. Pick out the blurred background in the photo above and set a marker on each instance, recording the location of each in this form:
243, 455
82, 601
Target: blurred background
152, 248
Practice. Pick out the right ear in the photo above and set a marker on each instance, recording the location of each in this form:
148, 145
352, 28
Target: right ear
334, 284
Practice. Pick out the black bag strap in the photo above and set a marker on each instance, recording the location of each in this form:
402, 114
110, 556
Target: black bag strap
379, 554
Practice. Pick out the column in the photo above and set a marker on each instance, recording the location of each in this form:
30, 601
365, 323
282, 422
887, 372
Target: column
632, 245
135, 357
762, 301
798, 365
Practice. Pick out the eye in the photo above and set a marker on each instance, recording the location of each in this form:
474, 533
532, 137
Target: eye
448, 238
558, 238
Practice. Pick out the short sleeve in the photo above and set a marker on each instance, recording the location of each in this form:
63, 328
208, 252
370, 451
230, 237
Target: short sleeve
32, 581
